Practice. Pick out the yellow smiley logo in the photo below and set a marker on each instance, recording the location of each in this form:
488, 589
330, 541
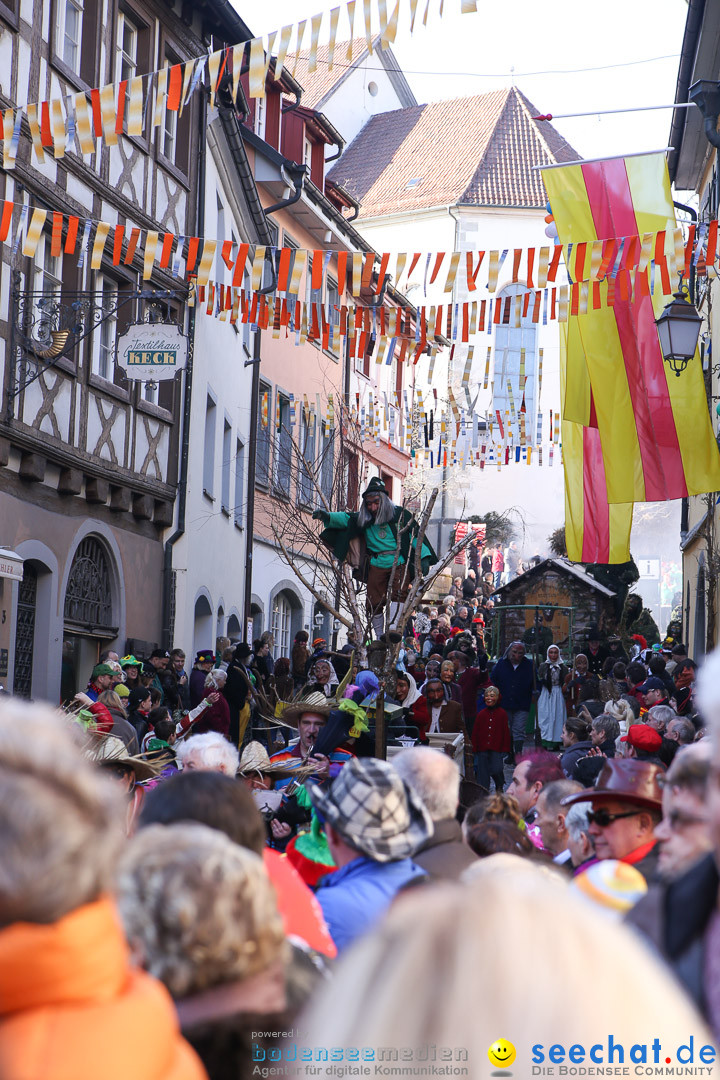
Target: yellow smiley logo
501, 1053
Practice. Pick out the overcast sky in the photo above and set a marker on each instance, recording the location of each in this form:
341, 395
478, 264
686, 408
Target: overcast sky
460, 55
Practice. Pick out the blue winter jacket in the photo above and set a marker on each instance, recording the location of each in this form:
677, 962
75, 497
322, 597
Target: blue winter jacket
354, 897
515, 684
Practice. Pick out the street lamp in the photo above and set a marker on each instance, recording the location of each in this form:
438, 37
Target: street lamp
678, 330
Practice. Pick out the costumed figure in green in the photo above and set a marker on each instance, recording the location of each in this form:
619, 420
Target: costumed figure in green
369, 539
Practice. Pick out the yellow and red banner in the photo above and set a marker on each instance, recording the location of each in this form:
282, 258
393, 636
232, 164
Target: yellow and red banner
595, 530
654, 428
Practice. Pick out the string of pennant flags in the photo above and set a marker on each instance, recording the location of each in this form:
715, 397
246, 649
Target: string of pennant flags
432, 435
137, 106
624, 263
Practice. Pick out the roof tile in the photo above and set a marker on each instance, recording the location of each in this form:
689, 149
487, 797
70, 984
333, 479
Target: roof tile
479, 150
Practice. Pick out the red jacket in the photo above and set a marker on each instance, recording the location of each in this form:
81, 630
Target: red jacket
491, 730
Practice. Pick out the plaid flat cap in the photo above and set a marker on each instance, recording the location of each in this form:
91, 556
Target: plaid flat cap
374, 810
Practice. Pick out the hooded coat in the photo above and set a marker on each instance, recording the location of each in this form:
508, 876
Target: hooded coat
71, 1005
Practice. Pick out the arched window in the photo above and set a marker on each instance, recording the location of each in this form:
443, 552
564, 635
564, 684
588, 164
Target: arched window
516, 341
203, 626
88, 596
280, 626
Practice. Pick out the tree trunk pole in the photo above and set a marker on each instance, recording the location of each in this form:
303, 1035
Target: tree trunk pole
380, 739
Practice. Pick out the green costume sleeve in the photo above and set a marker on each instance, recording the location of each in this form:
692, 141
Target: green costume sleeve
339, 520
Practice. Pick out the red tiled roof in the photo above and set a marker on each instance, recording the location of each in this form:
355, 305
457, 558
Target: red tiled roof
317, 85
478, 150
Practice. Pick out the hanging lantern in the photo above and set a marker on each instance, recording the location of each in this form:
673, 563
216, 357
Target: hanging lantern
678, 330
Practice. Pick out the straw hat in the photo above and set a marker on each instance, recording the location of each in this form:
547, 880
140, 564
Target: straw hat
314, 703
108, 750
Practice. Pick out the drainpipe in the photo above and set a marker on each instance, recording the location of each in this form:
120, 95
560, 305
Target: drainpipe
187, 400
685, 502
254, 408
297, 184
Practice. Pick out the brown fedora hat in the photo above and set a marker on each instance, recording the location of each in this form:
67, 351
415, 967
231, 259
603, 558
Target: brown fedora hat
627, 780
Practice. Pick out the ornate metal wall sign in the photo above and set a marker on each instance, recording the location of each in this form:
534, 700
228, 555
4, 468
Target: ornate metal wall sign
152, 351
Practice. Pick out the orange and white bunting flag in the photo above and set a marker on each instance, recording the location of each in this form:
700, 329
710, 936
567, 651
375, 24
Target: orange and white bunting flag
283, 44
32, 237
259, 65
160, 96
57, 126
257, 267
135, 107
298, 43
334, 16
213, 63
151, 243
35, 133
206, 261
315, 24
101, 234
367, 17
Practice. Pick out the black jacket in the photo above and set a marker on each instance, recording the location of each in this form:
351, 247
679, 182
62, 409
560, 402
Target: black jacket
675, 918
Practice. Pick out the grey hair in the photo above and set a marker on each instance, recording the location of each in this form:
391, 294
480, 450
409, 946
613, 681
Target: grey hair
608, 725
201, 907
576, 820
434, 777
385, 514
63, 818
215, 752
662, 713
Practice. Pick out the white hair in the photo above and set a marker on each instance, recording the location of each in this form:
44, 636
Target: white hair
435, 778
211, 679
213, 751
576, 820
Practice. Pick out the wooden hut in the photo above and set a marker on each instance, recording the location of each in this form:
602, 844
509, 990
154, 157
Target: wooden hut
555, 602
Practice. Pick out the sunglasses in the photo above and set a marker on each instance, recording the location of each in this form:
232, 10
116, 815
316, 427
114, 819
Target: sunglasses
603, 818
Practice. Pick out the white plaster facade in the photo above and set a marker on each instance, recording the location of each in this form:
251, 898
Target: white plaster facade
471, 490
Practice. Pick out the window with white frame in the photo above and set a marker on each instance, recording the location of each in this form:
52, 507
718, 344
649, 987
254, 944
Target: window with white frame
512, 344
226, 467
239, 509
307, 153
105, 335
260, 115
327, 461
209, 446
283, 453
126, 48
262, 452
280, 624
68, 31
307, 458
168, 138
47, 270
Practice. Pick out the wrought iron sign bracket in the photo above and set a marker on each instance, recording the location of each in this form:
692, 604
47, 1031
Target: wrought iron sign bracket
46, 328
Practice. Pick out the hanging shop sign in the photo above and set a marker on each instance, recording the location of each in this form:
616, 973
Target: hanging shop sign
11, 564
152, 351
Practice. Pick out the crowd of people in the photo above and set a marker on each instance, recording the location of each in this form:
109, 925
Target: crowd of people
196, 858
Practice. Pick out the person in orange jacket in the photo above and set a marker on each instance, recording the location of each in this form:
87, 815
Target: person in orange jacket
71, 1002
